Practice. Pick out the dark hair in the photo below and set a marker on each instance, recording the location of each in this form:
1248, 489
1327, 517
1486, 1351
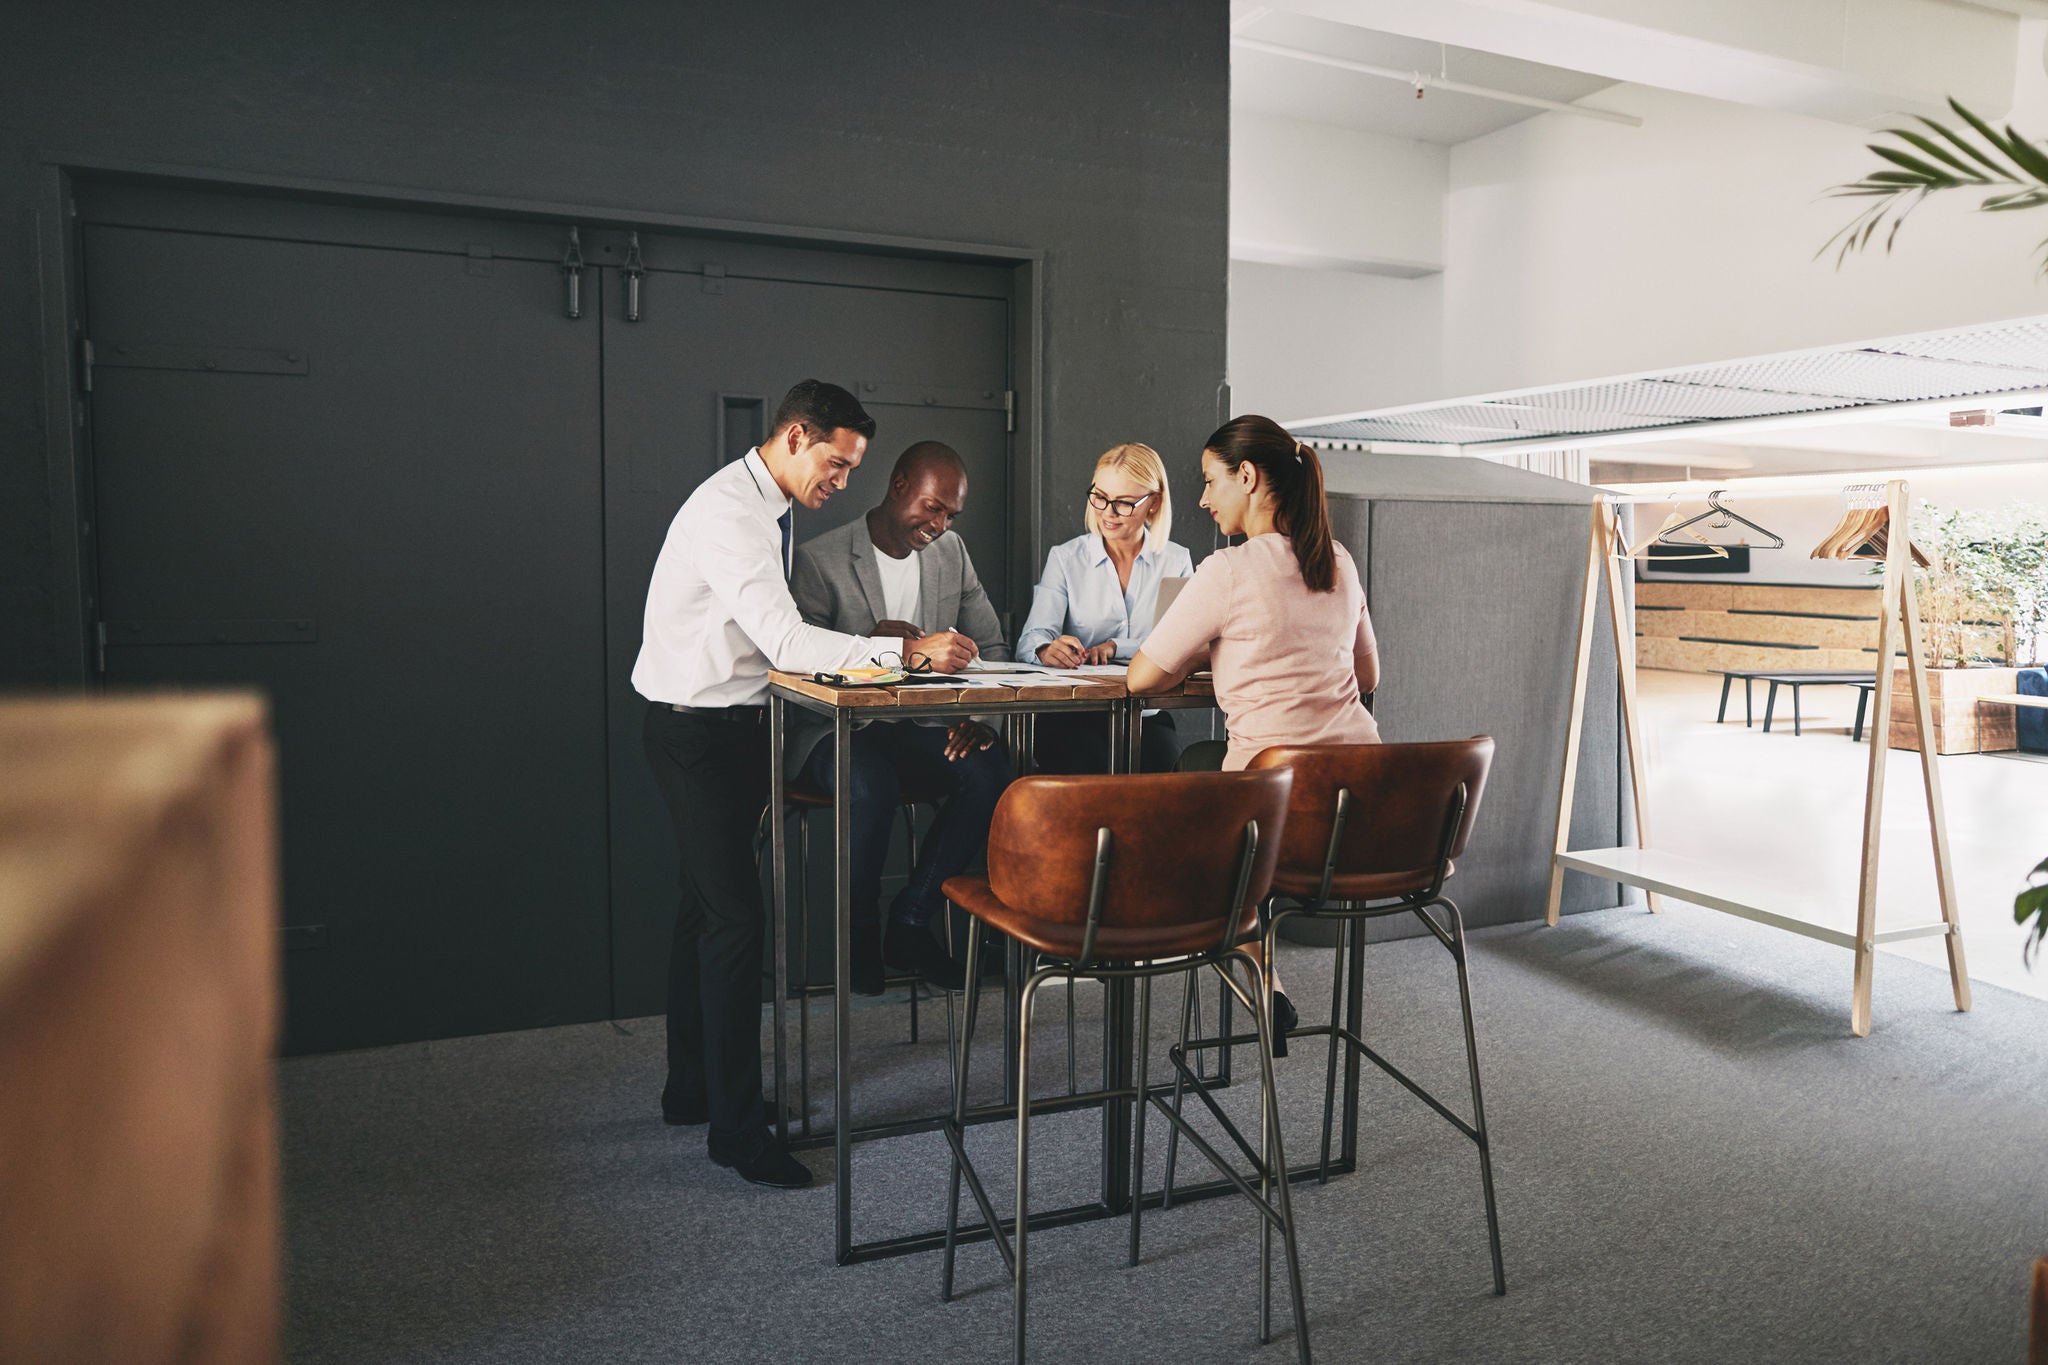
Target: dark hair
1295, 475
823, 408
923, 455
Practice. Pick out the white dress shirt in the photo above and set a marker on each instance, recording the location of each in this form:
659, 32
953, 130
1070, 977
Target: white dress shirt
1079, 595
719, 613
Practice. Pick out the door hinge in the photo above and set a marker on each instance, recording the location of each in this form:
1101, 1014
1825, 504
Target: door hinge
100, 647
1009, 409
85, 366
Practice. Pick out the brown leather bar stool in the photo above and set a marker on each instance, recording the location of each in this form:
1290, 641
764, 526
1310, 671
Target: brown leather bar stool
1127, 878
1372, 830
803, 800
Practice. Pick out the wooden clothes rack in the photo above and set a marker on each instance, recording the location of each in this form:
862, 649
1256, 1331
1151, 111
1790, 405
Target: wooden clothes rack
1721, 888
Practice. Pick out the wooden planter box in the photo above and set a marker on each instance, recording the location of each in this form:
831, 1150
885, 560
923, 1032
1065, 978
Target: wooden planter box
1961, 726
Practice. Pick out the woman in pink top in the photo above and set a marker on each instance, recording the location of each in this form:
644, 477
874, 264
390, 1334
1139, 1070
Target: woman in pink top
1280, 619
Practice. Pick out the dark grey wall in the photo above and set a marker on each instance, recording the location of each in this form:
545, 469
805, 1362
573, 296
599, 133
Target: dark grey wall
1096, 134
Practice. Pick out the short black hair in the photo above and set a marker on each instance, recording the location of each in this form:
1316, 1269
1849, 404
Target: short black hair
824, 408
926, 455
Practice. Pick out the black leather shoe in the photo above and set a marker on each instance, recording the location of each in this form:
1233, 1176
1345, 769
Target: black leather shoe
1284, 1020
914, 950
764, 1163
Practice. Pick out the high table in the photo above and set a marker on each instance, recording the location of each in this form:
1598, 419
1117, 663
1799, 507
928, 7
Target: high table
1103, 695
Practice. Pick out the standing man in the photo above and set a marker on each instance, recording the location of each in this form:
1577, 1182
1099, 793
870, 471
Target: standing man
719, 617
902, 571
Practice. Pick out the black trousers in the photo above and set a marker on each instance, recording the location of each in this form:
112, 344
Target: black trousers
1078, 742
712, 769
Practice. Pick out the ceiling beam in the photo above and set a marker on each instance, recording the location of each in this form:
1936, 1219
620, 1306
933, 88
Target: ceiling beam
1422, 79
1860, 61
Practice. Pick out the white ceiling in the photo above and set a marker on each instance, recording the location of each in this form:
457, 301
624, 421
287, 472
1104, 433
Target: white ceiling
1910, 443
1269, 84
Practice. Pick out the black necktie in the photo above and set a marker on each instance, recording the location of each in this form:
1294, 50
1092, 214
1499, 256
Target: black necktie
784, 522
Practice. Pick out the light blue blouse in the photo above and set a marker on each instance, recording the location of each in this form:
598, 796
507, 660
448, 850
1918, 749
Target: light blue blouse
1078, 595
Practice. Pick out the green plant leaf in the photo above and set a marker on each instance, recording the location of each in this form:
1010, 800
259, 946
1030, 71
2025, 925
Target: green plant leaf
1938, 152
1968, 149
2029, 158
2019, 199
1916, 169
1985, 131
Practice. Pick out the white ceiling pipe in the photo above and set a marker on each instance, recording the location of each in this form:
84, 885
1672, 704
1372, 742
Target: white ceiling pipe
1420, 79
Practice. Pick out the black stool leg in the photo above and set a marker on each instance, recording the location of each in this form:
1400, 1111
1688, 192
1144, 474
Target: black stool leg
960, 1101
1143, 1111
1190, 1004
1027, 998
1273, 1158
910, 852
1345, 929
803, 995
1500, 1276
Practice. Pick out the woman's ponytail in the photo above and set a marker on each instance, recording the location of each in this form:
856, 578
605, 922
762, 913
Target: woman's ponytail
1295, 474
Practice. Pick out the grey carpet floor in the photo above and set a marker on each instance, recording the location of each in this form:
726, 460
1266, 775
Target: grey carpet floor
1696, 1162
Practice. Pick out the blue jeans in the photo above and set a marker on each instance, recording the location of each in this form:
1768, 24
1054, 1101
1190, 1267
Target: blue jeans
888, 756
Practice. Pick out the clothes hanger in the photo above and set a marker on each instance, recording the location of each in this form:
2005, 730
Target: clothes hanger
1727, 516
1641, 550
1862, 514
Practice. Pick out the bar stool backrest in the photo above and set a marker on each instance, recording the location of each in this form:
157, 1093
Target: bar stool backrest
1174, 878
1403, 804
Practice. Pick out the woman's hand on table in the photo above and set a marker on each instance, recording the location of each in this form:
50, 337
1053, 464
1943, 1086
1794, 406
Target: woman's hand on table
948, 650
966, 737
1099, 654
1065, 652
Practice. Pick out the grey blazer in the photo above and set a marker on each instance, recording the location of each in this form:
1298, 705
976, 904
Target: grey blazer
837, 586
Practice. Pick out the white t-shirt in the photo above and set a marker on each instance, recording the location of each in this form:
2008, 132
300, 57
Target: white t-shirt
899, 586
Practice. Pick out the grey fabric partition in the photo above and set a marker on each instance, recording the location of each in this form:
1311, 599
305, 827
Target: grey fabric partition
1473, 573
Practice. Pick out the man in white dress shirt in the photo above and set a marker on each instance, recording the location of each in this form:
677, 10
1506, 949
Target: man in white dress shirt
719, 617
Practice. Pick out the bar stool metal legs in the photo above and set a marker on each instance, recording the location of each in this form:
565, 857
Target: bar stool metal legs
1011, 1236
1452, 936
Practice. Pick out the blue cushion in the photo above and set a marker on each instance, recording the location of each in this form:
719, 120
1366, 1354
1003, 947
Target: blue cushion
2033, 721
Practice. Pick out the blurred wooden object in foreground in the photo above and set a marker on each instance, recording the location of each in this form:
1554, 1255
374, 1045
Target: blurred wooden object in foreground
138, 1010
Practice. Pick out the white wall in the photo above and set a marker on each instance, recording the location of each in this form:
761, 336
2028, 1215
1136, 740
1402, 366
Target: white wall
1804, 518
1576, 249
1326, 197
1303, 342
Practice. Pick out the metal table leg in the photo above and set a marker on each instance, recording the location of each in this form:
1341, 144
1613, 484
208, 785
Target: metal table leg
1770, 705
1748, 702
1795, 710
842, 977
778, 921
1862, 703
1722, 714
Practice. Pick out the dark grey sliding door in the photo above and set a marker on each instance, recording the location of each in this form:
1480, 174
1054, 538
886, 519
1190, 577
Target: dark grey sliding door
367, 480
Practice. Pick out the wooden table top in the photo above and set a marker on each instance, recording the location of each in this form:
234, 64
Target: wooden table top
1055, 687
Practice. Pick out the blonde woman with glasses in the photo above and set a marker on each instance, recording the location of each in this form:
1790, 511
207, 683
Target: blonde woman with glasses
1094, 603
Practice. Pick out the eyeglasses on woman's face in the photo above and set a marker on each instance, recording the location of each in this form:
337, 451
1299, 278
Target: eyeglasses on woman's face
1116, 507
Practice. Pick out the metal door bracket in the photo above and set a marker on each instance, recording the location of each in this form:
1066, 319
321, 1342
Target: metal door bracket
572, 276
632, 271
86, 365
299, 630
207, 359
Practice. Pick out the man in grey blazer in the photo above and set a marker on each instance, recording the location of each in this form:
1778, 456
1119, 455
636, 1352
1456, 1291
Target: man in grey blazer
901, 571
